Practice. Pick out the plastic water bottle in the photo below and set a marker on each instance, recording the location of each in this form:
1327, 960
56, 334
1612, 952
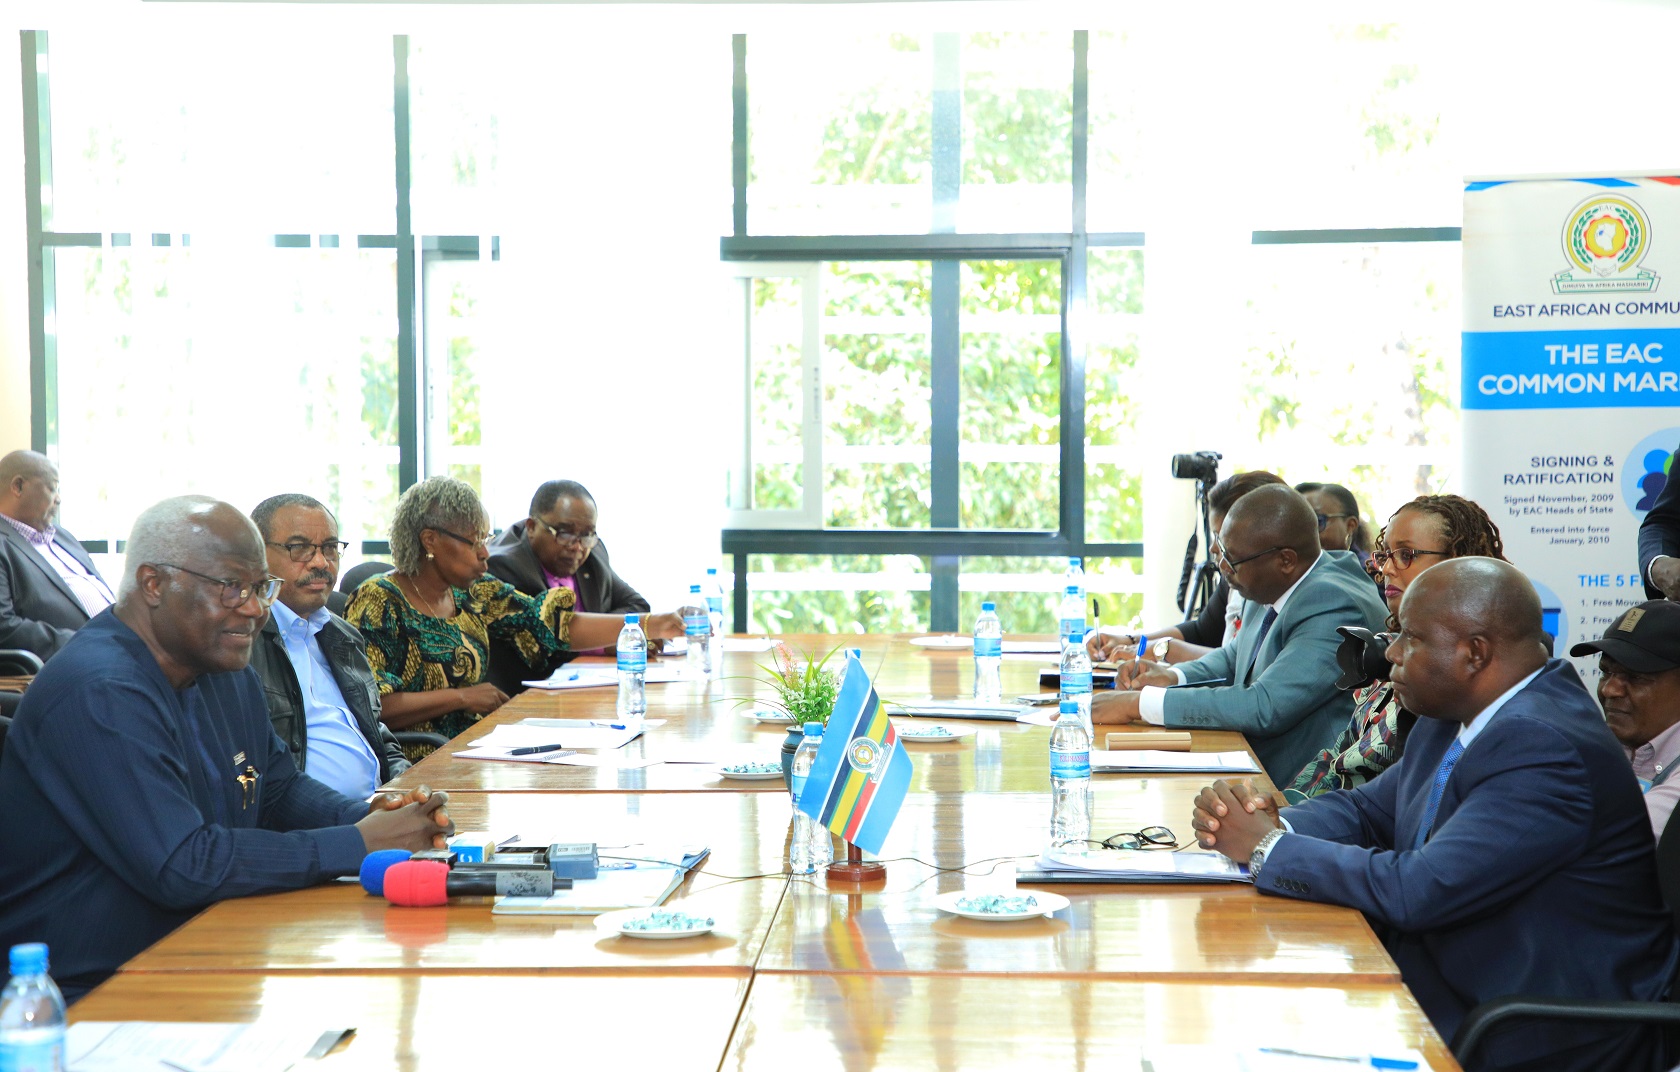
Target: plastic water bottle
1071, 617
714, 607
988, 655
632, 668
1075, 575
1076, 679
697, 630
31, 1015
811, 847
1070, 779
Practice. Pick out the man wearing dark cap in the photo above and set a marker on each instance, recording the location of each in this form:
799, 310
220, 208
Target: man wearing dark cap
1639, 689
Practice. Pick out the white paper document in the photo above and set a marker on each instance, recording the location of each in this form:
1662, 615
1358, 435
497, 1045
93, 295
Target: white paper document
145, 1046
1157, 864
1033, 647
748, 643
1149, 761
594, 677
569, 733
1307, 1058
989, 712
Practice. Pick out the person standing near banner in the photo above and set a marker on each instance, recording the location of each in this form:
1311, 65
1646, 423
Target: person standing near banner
1659, 543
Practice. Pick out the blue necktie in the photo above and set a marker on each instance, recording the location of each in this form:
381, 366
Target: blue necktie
1254, 656
1448, 761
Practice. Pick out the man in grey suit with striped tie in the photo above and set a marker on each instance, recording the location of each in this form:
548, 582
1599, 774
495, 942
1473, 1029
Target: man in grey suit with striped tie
1276, 683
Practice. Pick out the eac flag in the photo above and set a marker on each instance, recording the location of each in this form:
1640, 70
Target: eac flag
862, 771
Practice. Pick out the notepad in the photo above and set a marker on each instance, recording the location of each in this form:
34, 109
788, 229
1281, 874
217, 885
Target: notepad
959, 709
1131, 865
148, 1046
1151, 761
594, 677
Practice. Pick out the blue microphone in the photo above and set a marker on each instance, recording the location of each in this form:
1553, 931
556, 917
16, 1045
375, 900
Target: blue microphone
375, 864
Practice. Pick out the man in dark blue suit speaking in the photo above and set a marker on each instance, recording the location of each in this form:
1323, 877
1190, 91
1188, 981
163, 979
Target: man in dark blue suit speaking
1508, 852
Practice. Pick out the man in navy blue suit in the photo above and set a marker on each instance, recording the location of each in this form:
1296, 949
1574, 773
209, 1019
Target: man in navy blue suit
142, 778
1508, 852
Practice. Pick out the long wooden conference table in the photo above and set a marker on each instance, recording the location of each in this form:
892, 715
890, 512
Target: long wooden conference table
797, 972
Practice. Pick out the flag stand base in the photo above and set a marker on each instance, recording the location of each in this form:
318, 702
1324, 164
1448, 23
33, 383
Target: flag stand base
855, 870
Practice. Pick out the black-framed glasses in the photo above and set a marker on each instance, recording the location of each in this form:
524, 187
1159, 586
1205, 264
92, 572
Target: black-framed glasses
582, 539
235, 591
1232, 565
1403, 556
303, 550
1150, 837
481, 541
1324, 520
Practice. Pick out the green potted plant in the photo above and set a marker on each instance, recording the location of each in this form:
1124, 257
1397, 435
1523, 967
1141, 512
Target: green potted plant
805, 689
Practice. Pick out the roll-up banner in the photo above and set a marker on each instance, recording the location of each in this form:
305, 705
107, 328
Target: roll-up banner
1571, 380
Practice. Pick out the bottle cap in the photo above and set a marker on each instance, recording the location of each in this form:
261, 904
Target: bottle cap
813, 729
1070, 707
712, 572
29, 959
632, 619
693, 588
988, 606
1074, 561
1073, 589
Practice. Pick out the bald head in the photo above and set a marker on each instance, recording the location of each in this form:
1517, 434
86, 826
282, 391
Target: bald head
29, 488
1470, 629
1277, 515
1270, 540
190, 529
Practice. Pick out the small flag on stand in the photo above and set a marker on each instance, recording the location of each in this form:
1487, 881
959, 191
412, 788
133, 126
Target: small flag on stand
862, 770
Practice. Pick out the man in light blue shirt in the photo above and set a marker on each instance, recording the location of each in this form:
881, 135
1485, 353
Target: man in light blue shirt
322, 696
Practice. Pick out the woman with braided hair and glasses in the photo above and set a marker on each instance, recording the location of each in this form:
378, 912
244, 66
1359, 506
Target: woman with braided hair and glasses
1428, 530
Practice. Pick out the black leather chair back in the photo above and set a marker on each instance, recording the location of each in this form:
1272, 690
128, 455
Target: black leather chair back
361, 571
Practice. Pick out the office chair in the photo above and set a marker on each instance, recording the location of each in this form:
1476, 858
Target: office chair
361, 571
16, 662
1665, 1015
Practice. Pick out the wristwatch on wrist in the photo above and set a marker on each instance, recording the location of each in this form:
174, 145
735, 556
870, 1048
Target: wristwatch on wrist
1257, 858
1160, 648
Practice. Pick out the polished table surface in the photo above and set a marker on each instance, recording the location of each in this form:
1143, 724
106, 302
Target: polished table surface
972, 1022
820, 969
455, 1021
710, 719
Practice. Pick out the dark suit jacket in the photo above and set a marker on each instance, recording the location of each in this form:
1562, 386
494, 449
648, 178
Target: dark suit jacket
1539, 877
1659, 533
38, 611
600, 590
346, 652
1290, 707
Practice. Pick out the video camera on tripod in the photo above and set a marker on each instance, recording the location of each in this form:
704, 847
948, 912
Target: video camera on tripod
1196, 583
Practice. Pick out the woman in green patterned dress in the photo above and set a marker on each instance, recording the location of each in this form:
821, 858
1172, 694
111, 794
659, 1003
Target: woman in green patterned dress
430, 621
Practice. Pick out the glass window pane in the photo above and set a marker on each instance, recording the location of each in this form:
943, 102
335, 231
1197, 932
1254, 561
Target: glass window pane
837, 593
1118, 86
1113, 481
777, 377
457, 85
1011, 394
877, 384
841, 133
1352, 368
285, 130
1017, 121
157, 351
1028, 591
461, 366
1372, 98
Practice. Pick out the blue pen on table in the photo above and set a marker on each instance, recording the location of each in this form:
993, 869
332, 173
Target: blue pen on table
609, 725
1375, 1062
533, 750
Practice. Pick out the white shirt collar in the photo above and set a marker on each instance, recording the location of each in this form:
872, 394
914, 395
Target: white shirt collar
1468, 732
288, 619
1287, 592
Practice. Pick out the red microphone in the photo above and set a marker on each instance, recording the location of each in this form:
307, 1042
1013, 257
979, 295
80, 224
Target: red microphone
426, 883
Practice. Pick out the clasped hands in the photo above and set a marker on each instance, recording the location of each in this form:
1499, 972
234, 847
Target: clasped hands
1232, 819
415, 821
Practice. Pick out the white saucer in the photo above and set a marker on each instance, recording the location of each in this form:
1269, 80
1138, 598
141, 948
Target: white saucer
1047, 903
769, 718
721, 771
942, 641
917, 732
615, 921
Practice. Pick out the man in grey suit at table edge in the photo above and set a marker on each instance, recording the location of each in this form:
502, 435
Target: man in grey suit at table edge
49, 587
1275, 683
